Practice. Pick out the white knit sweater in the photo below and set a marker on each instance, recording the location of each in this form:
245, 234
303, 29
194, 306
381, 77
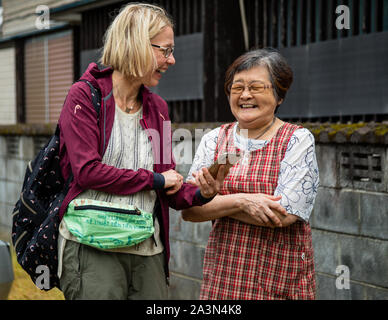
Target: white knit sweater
128, 148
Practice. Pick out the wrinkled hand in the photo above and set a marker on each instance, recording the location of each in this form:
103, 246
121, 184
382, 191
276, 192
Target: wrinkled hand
209, 186
172, 181
259, 206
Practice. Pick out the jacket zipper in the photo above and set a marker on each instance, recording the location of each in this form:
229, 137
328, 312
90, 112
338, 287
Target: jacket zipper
136, 211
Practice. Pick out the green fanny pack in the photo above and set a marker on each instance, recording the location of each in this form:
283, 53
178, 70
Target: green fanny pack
107, 225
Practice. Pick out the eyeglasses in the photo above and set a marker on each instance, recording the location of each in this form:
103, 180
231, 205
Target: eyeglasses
167, 51
255, 88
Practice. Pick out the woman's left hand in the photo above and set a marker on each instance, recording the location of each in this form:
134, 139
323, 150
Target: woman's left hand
208, 186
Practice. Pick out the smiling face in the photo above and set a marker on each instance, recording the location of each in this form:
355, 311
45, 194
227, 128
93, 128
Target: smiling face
164, 38
253, 110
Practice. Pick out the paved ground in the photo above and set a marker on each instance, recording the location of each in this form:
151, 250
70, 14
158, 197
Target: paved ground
22, 287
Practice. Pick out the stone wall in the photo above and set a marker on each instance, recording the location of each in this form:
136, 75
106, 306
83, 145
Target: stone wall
15, 152
350, 218
350, 226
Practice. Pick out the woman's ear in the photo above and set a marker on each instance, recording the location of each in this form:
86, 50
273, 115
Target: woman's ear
280, 102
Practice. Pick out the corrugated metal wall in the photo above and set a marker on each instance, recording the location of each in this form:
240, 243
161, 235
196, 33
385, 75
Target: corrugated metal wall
48, 76
7, 86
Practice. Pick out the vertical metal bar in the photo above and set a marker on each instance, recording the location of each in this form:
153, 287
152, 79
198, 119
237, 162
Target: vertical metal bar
270, 23
195, 112
351, 10
308, 22
361, 18
265, 29
181, 18
174, 14
195, 15
299, 22
318, 8
385, 15
280, 22
185, 14
373, 16
256, 23
330, 21
289, 22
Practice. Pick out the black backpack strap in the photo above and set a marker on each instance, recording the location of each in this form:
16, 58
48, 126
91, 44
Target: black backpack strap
96, 97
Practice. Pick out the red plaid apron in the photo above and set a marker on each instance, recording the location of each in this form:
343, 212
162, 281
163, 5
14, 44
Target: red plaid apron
244, 261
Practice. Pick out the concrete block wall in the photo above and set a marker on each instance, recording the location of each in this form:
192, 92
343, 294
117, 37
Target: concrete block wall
350, 226
12, 169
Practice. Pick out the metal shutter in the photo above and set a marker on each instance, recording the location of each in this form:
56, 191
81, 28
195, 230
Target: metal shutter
48, 76
7, 86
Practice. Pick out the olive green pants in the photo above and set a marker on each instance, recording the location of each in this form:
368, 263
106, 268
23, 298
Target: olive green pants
89, 273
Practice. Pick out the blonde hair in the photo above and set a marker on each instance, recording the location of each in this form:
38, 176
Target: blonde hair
127, 47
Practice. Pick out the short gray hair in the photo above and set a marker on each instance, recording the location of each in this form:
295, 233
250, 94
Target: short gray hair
280, 73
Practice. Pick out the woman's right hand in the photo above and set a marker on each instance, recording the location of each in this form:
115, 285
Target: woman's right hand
172, 181
259, 206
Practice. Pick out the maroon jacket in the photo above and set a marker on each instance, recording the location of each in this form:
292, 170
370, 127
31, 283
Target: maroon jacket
83, 142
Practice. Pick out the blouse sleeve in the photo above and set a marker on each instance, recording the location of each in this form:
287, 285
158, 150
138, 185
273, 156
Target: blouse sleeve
299, 177
204, 156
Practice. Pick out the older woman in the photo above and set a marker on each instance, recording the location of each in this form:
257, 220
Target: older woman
122, 159
260, 243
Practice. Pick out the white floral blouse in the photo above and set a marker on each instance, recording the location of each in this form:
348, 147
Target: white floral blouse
298, 178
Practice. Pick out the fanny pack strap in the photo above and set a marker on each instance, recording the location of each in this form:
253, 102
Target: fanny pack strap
157, 208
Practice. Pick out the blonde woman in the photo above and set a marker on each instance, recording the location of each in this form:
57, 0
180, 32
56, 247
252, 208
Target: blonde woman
119, 159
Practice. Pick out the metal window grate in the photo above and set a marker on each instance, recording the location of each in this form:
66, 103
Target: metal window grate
186, 111
12, 144
362, 167
286, 23
187, 16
